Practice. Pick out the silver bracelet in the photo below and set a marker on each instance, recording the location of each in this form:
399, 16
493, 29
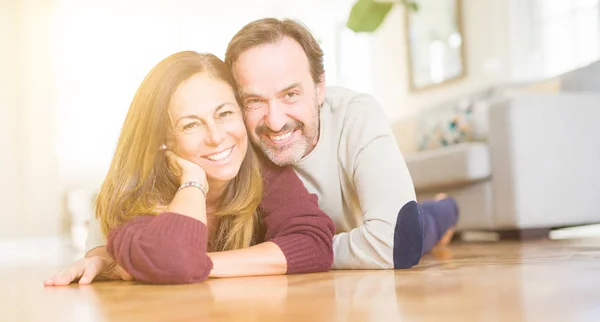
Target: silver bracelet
193, 184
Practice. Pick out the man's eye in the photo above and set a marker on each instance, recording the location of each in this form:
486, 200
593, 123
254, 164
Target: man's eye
254, 103
291, 95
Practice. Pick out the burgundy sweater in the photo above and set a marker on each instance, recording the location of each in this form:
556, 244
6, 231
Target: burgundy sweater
172, 248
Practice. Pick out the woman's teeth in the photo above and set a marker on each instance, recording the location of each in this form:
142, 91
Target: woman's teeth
220, 156
281, 137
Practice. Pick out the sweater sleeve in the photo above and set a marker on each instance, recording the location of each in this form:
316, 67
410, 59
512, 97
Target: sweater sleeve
391, 233
166, 249
294, 221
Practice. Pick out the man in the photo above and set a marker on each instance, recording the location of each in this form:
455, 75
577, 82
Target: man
338, 141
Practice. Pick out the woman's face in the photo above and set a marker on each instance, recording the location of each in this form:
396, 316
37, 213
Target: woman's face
208, 126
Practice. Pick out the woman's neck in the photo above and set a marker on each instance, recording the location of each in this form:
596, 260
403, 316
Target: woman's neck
216, 189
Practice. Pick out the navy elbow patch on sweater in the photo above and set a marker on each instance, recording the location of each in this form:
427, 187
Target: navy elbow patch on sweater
408, 236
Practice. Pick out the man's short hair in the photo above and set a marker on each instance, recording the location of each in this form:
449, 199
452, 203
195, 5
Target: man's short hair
271, 30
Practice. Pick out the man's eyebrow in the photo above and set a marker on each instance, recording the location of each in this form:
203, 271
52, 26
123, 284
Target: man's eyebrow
291, 86
249, 94
285, 89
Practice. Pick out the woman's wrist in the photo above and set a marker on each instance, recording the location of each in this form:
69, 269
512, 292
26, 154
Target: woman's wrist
194, 180
196, 185
195, 177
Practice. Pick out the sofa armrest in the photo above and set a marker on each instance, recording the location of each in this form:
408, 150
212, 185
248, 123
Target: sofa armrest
545, 154
449, 167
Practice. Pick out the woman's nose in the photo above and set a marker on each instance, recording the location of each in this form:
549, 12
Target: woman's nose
214, 134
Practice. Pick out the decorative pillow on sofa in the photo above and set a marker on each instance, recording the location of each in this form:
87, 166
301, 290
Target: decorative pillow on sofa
449, 124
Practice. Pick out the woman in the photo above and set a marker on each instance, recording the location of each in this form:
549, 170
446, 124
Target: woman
184, 197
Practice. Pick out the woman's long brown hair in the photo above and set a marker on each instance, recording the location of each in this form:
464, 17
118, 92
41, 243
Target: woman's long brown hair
139, 181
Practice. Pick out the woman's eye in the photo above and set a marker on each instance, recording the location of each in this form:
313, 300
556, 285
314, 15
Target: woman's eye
191, 126
225, 114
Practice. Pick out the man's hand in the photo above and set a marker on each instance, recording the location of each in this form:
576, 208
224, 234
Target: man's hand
97, 265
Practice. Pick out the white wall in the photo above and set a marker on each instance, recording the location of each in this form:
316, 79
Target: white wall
486, 41
30, 185
41, 193
10, 171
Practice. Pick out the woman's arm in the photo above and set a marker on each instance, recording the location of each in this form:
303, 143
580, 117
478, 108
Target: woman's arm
298, 237
100, 264
169, 248
262, 259
166, 249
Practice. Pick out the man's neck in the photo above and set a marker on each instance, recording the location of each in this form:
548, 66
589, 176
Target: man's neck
315, 141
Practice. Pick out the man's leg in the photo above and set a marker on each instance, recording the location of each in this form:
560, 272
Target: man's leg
439, 219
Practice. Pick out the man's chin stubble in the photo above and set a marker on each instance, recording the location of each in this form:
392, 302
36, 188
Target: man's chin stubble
282, 156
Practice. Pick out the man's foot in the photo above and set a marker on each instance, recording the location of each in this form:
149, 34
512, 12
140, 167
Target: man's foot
447, 237
440, 196
440, 216
441, 251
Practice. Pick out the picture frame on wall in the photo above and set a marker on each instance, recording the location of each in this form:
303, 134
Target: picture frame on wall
435, 44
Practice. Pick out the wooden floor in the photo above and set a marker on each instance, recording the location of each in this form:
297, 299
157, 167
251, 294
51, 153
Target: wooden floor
536, 281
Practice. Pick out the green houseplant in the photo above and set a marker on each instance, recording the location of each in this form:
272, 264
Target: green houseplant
367, 15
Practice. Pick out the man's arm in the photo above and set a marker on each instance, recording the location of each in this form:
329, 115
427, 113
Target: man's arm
295, 223
391, 235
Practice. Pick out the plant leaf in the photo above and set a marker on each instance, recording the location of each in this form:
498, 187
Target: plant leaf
367, 15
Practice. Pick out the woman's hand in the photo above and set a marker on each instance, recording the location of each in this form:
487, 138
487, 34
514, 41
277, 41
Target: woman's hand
187, 202
185, 170
96, 267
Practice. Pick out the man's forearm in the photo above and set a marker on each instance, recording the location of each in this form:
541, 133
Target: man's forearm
360, 249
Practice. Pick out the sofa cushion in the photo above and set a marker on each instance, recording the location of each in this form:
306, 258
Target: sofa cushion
450, 166
583, 79
455, 122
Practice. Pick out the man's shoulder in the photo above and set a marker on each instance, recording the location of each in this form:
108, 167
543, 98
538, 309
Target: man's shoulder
359, 119
345, 102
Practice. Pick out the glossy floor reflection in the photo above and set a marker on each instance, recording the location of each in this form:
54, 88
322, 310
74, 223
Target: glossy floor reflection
536, 281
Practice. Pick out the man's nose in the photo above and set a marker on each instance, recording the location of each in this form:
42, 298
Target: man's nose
275, 118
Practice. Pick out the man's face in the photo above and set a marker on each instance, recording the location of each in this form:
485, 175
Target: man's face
280, 99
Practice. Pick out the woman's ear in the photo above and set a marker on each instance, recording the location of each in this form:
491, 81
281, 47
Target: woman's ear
170, 143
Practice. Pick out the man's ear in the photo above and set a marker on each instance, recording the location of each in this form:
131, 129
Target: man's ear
321, 90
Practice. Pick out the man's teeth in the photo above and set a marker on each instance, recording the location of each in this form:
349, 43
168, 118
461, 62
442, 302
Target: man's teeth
219, 156
281, 137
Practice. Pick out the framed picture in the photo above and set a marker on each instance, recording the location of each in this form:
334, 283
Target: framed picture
435, 44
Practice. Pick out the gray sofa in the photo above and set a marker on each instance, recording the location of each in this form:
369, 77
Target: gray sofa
538, 167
